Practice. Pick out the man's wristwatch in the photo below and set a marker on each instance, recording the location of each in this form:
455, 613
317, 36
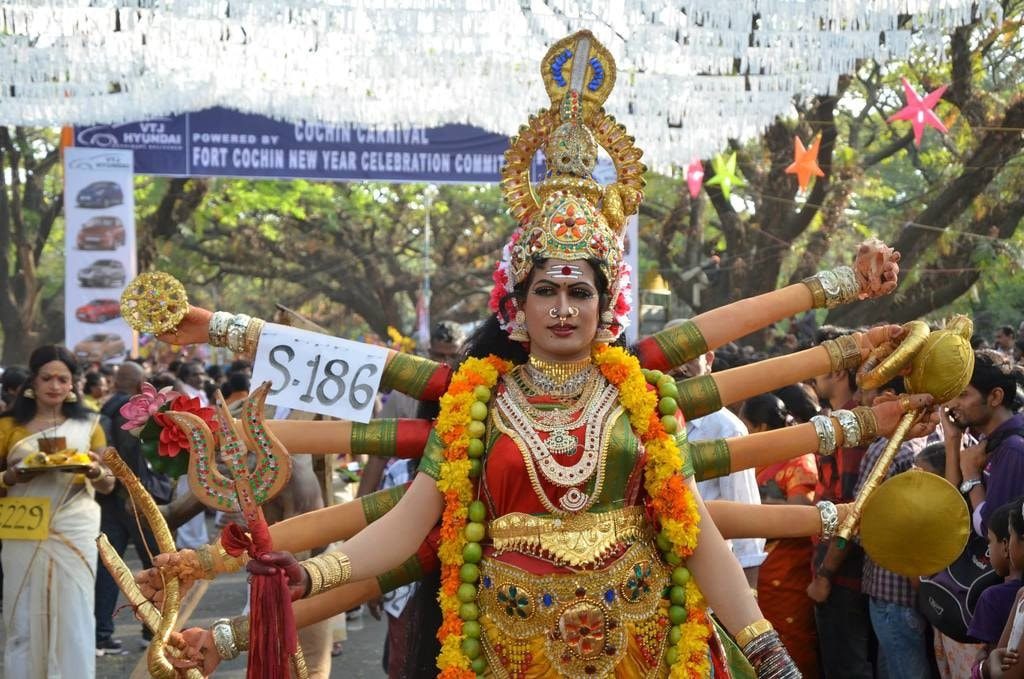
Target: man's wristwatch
968, 484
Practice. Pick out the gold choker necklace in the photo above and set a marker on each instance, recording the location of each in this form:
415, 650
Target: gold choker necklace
558, 372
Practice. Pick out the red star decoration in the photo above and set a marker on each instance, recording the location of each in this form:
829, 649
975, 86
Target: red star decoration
805, 162
919, 111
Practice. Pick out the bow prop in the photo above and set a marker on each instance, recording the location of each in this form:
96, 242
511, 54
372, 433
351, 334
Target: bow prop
165, 655
273, 642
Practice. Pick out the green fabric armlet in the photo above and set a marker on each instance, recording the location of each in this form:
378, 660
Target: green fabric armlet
711, 459
698, 396
376, 505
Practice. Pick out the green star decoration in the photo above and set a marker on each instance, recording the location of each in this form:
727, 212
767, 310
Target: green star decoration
726, 176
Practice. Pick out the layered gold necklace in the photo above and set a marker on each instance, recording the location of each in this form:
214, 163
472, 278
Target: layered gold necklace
558, 379
523, 422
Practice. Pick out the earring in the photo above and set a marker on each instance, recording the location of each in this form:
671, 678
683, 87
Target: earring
517, 329
72, 397
29, 393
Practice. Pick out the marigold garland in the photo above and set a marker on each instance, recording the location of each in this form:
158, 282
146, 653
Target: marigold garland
671, 499
457, 489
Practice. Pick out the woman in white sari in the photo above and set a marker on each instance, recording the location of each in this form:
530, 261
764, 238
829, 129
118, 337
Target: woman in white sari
49, 584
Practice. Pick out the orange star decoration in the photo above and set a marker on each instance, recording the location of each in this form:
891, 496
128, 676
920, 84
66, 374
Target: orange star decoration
805, 162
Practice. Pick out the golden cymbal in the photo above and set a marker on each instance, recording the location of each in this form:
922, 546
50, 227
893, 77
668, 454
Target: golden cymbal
914, 524
154, 302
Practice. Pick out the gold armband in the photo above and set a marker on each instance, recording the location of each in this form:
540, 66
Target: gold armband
327, 571
754, 629
240, 631
868, 423
214, 560
843, 352
831, 288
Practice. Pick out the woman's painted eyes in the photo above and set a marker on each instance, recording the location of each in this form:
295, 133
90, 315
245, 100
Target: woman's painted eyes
579, 292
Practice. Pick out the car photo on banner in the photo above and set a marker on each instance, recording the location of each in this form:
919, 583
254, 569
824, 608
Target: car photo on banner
103, 273
100, 195
100, 347
100, 253
98, 311
101, 233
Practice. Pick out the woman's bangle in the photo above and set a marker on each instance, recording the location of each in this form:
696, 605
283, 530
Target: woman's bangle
3, 480
843, 352
224, 639
252, 335
236, 333
218, 328
829, 519
240, 631
852, 434
831, 288
868, 423
754, 629
826, 432
768, 656
327, 571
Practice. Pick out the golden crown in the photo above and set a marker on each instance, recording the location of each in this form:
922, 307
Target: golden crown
571, 217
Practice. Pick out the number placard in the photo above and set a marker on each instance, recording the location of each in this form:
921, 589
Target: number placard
318, 373
24, 518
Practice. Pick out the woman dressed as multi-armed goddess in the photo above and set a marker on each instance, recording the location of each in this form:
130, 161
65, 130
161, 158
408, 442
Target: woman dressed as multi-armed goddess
557, 489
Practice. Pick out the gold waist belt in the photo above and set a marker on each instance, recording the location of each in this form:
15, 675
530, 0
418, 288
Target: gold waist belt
578, 540
582, 622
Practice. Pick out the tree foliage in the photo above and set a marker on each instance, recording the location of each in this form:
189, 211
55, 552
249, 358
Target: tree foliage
31, 227
942, 205
351, 257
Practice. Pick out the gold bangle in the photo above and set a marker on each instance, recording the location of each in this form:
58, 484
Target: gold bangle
868, 423
327, 571
3, 480
835, 355
751, 631
204, 555
850, 349
252, 335
316, 577
340, 569
813, 284
240, 630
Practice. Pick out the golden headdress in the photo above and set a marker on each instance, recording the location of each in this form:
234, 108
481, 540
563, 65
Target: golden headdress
570, 217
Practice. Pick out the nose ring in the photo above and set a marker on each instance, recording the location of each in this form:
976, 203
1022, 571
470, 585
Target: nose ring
553, 312
574, 311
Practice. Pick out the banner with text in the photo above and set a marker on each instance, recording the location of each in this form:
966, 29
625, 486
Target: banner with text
219, 142
99, 246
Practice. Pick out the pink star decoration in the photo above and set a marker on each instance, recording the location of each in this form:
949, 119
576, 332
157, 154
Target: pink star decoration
920, 111
695, 177
805, 162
